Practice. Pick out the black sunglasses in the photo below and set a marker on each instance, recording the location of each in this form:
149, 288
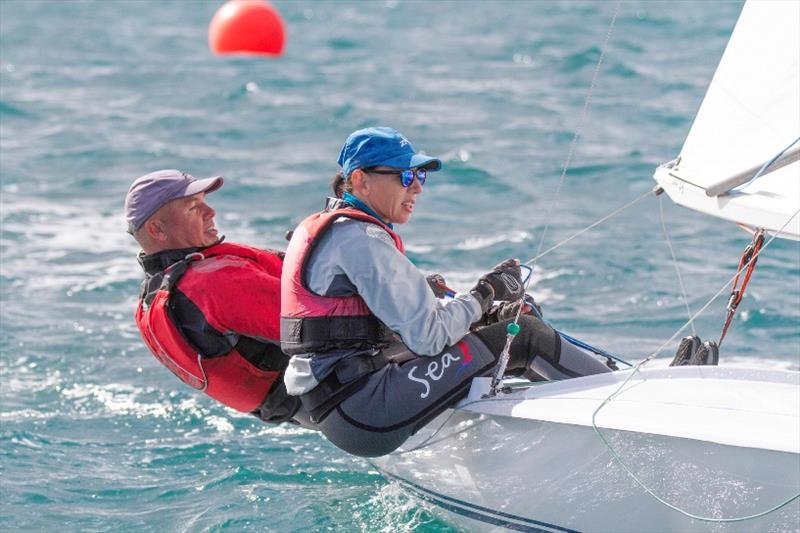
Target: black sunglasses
406, 176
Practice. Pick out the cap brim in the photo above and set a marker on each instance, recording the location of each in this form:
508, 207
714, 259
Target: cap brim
414, 161
206, 185
429, 163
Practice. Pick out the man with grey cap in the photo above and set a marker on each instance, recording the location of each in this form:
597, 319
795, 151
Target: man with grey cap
208, 310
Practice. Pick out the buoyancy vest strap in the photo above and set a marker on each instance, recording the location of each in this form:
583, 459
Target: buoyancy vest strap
345, 212
212, 343
347, 377
334, 331
164, 279
189, 377
263, 355
175, 272
279, 406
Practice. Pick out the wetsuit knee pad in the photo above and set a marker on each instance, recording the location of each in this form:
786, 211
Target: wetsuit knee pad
543, 339
535, 338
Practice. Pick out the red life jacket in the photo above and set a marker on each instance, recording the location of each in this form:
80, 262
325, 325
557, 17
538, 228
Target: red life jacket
311, 322
238, 381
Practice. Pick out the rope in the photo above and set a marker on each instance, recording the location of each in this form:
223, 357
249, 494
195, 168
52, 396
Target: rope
617, 211
635, 370
737, 293
586, 346
675, 262
720, 291
513, 328
578, 130
649, 490
766, 165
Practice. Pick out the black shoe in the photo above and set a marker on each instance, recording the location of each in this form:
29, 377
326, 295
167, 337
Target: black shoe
707, 354
686, 350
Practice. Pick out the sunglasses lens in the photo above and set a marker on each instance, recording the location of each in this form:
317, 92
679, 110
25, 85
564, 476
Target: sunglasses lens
407, 176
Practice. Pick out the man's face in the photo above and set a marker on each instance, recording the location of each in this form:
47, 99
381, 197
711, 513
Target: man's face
188, 222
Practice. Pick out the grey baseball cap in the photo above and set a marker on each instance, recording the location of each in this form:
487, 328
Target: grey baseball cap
152, 191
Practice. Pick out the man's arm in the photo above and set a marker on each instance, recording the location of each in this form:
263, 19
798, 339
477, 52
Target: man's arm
237, 295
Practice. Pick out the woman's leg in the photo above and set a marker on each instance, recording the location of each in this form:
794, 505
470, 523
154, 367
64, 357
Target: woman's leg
401, 397
538, 347
398, 399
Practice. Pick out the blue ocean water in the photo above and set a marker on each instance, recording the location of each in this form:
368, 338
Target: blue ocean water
96, 436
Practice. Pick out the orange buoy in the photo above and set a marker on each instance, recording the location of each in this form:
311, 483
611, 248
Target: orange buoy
246, 26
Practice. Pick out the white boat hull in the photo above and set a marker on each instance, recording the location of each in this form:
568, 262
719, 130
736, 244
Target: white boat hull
500, 464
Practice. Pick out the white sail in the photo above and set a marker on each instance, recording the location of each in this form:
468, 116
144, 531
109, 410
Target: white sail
751, 112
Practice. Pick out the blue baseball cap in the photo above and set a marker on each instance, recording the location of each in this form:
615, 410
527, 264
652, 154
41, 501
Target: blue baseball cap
382, 146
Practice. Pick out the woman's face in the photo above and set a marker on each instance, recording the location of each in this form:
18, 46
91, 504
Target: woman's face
385, 194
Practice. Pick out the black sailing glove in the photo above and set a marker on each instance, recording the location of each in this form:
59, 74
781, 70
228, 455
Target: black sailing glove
505, 311
508, 311
503, 283
438, 285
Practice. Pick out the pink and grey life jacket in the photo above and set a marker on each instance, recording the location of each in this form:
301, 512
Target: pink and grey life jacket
312, 322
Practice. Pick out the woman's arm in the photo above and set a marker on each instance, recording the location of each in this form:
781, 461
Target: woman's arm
361, 257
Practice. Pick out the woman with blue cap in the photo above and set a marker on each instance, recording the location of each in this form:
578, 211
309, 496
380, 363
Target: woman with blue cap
374, 354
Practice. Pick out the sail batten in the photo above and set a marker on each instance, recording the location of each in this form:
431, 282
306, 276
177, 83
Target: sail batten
741, 178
